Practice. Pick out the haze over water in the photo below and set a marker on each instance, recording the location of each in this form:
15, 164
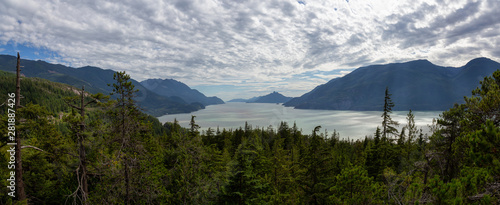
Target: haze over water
352, 124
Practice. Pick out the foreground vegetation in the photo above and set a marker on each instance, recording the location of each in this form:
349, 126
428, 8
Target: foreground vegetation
114, 154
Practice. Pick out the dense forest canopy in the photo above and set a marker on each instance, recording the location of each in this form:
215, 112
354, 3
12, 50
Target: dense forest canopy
131, 158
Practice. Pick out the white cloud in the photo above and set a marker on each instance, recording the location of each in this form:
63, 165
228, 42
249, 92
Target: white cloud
223, 41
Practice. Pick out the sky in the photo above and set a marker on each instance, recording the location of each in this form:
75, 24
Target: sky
245, 48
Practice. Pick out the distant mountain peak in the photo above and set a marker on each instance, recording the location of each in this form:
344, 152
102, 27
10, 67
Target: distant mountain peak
273, 97
419, 61
480, 60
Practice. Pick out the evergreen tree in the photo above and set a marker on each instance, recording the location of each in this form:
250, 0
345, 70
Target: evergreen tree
126, 139
280, 179
247, 184
194, 127
409, 145
461, 133
315, 163
388, 125
373, 157
354, 186
47, 167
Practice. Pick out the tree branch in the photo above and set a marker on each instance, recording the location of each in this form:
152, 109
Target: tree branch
29, 146
92, 101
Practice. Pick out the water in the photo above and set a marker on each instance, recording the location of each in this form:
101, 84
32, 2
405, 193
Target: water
352, 124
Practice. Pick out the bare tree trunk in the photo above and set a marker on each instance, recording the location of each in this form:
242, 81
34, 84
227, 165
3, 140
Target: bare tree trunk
21, 195
127, 182
125, 139
81, 139
82, 156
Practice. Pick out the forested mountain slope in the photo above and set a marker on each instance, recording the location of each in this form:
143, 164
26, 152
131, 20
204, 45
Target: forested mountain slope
96, 80
416, 85
38, 91
171, 87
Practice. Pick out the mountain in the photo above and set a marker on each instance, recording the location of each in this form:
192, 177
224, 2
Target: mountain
250, 100
416, 85
170, 87
238, 100
273, 97
96, 80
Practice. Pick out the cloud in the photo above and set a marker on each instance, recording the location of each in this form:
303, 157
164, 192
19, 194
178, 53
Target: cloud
218, 42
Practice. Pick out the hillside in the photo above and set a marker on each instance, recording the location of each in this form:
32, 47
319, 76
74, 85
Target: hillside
250, 100
273, 97
170, 87
37, 91
96, 80
238, 100
416, 85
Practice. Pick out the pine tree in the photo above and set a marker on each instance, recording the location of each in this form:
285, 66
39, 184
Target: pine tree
354, 186
373, 157
315, 162
409, 145
194, 127
46, 166
250, 165
388, 125
126, 132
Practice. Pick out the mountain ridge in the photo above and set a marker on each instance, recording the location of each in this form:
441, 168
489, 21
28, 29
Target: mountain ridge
171, 87
416, 85
96, 80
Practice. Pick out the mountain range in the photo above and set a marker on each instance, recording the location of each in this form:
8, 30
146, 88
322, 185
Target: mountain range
97, 79
171, 87
273, 97
416, 85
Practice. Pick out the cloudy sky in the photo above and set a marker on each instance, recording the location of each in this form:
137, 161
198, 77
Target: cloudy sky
245, 48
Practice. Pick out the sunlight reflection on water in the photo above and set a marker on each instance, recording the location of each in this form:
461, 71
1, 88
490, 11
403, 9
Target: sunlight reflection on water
352, 124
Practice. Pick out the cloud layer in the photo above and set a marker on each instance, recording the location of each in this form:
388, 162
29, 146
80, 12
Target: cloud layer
290, 46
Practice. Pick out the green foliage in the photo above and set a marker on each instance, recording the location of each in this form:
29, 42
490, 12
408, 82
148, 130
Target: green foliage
247, 184
482, 148
460, 127
38, 91
194, 127
459, 190
47, 174
353, 186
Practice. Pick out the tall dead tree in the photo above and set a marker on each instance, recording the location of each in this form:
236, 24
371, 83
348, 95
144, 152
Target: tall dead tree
81, 136
21, 195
